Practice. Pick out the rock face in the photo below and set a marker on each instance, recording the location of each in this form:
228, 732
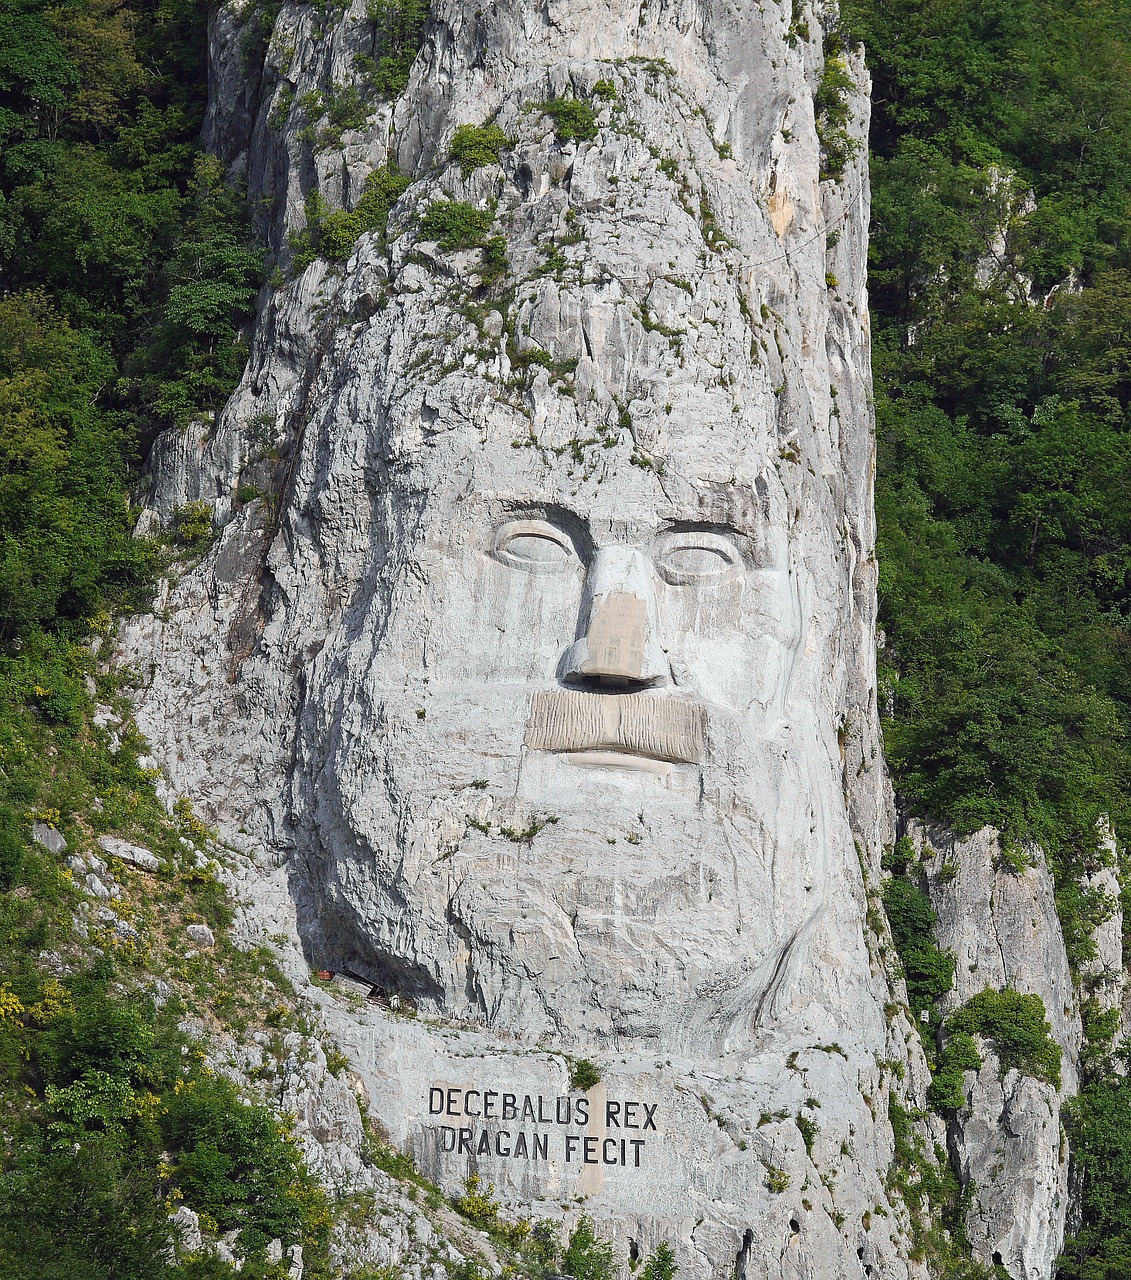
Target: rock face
548, 676
998, 918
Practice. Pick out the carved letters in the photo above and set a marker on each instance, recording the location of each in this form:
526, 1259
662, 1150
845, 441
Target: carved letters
539, 1127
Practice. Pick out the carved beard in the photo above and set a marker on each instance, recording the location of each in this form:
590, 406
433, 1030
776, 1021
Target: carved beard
503, 885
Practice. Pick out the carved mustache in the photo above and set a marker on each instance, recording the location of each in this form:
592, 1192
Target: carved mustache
660, 727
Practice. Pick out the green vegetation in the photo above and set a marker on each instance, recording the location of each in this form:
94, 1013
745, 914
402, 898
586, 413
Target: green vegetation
661, 1265
1018, 1028
830, 106
66, 548
332, 233
130, 272
583, 1074
937, 1204
111, 213
110, 1114
574, 119
1001, 286
452, 224
479, 1206
1002, 408
495, 262
344, 108
1099, 1131
475, 145
587, 1256
928, 971
399, 26
959, 1055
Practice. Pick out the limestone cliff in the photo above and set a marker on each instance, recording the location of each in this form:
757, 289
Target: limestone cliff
540, 687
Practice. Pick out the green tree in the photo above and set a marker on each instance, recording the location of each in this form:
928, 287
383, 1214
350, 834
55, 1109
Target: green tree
65, 543
587, 1256
662, 1264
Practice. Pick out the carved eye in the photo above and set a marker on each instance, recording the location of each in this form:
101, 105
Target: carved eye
686, 558
533, 545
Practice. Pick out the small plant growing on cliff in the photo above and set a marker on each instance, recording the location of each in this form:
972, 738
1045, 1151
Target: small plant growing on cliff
574, 120
478, 1204
587, 1256
960, 1055
808, 1129
777, 1180
661, 1265
830, 106
583, 1074
494, 260
476, 145
193, 525
452, 224
332, 233
399, 25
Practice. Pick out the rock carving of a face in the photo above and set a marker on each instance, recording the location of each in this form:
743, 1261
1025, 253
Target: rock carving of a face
591, 770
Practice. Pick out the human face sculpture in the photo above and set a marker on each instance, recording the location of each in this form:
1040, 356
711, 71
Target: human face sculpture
572, 764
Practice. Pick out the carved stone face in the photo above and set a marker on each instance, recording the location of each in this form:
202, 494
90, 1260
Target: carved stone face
593, 760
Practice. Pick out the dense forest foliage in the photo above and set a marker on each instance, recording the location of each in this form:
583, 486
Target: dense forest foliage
126, 270
1000, 279
1001, 286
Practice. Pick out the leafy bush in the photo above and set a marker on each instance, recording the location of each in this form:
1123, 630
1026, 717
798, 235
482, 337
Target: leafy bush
400, 28
332, 233
583, 1074
234, 1162
574, 120
830, 106
474, 146
478, 1204
1018, 1028
193, 524
929, 972
455, 225
661, 1265
960, 1054
495, 262
587, 1256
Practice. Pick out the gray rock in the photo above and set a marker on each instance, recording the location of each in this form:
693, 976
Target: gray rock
1001, 924
48, 837
187, 1226
201, 934
133, 854
549, 698
95, 886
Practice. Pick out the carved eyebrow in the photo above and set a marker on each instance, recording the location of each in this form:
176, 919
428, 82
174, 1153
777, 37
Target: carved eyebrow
721, 527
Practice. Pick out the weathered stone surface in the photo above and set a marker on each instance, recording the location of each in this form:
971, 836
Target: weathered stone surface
1000, 921
48, 837
134, 854
548, 702
187, 1226
201, 934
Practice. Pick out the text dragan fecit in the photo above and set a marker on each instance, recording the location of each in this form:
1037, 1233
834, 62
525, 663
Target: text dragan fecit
566, 1111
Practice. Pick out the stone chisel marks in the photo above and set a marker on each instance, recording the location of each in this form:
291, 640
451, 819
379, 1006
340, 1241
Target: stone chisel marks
661, 727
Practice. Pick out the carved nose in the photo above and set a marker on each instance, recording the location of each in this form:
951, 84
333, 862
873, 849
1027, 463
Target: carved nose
618, 641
